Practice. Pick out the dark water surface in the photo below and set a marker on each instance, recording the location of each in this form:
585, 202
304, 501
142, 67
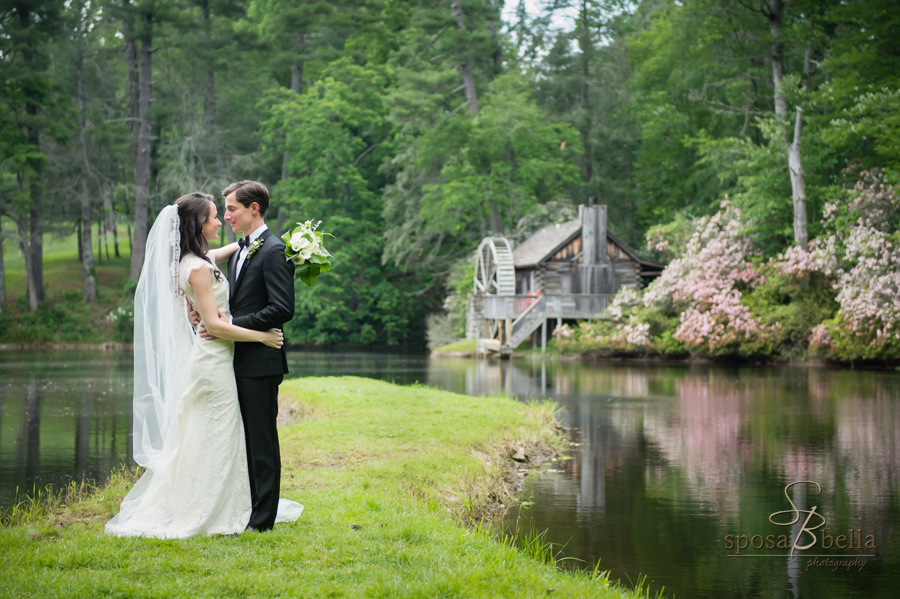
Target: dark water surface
680, 467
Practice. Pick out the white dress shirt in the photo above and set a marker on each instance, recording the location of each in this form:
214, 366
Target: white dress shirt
242, 255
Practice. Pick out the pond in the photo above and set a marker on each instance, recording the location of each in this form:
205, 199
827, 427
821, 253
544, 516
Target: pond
689, 475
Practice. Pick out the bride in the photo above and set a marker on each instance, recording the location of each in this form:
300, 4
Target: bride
188, 432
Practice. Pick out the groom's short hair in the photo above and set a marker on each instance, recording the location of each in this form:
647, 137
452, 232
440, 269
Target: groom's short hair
247, 192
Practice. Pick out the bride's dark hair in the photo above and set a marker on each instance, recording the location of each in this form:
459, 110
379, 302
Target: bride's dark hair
193, 213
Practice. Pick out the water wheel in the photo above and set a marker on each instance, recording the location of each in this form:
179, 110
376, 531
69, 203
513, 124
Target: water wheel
495, 273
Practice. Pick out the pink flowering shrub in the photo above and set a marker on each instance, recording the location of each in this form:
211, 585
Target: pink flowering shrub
619, 332
862, 251
707, 284
820, 338
796, 263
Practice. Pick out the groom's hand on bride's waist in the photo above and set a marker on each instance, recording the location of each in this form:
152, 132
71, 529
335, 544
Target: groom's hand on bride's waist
193, 315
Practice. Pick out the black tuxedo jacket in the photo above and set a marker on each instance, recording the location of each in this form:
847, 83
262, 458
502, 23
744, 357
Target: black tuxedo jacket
262, 298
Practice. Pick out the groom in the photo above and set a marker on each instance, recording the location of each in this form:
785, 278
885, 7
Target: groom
262, 297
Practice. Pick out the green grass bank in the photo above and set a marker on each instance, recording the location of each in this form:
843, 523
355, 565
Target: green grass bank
394, 481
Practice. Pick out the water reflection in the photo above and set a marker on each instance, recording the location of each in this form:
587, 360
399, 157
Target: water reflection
64, 416
676, 458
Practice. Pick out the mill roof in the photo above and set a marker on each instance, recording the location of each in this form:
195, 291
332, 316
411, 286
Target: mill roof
551, 238
533, 250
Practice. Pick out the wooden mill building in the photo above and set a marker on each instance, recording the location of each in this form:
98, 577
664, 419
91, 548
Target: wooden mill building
567, 271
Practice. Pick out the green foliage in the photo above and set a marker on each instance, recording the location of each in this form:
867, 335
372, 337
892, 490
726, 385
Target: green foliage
335, 133
67, 319
668, 241
456, 176
354, 112
860, 112
696, 75
843, 346
122, 320
792, 306
449, 324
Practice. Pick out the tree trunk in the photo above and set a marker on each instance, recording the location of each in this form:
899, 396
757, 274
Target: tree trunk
87, 252
34, 248
297, 67
775, 15
496, 58
468, 77
795, 162
111, 226
2, 270
807, 67
296, 87
134, 112
25, 246
496, 219
211, 103
142, 156
133, 93
36, 272
798, 184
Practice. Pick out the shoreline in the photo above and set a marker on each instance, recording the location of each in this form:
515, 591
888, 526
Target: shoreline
399, 485
597, 358
104, 346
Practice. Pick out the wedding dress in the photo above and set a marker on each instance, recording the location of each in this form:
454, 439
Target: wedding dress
188, 431
200, 485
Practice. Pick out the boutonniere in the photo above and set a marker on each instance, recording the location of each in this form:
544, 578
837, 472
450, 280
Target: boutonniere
253, 247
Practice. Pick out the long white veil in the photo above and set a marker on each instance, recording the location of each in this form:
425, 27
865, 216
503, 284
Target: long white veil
162, 341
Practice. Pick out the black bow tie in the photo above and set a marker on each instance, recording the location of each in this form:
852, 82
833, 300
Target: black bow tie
244, 242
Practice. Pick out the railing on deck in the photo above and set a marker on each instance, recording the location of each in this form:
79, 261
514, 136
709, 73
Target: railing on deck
553, 306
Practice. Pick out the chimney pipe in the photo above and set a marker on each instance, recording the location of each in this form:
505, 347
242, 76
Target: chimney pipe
593, 246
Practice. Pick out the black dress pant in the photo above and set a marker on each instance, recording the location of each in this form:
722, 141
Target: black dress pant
258, 397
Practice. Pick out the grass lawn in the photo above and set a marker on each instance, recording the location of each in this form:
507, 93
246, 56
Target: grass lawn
62, 268
391, 478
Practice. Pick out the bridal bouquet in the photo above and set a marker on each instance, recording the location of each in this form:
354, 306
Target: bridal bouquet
303, 247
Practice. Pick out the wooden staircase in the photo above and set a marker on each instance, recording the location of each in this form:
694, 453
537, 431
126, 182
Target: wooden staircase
526, 324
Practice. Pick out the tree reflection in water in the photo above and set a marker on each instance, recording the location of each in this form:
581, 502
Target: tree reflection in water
675, 458
64, 416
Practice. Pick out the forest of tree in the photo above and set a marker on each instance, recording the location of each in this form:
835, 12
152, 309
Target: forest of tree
413, 128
